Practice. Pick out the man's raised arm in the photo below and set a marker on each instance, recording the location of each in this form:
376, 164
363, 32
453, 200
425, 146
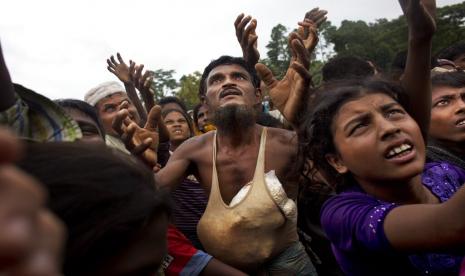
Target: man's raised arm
177, 167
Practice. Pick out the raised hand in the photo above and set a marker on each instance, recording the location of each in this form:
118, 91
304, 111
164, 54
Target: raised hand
141, 142
120, 69
420, 16
416, 79
142, 82
308, 29
289, 94
245, 33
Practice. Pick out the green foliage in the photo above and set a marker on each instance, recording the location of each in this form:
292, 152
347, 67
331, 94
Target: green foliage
278, 55
189, 89
163, 83
380, 41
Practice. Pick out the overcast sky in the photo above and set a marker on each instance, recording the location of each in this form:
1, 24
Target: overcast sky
58, 48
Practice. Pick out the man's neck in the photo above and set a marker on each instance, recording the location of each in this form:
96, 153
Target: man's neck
238, 138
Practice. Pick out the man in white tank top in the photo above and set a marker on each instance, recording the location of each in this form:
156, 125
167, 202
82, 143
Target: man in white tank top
231, 90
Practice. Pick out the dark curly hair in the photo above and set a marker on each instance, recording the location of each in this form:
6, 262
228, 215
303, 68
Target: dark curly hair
450, 79
452, 52
316, 136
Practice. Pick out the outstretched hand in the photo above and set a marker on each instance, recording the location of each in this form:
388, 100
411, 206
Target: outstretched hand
142, 82
120, 69
308, 29
245, 33
288, 94
420, 16
141, 142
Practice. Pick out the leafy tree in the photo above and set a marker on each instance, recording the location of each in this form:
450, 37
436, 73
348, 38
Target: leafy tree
163, 83
381, 40
278, 55
189, 89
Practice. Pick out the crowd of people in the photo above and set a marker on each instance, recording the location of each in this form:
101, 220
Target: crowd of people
361, 175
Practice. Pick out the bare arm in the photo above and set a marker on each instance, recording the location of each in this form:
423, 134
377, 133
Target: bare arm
416, 79
178, 165
424, 227
7, 91
123, 72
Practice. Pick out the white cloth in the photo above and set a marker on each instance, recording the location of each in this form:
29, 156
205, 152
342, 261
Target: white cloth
103, 90
285, 204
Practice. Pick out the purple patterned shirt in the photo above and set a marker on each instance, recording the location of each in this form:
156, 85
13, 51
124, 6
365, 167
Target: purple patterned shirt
353, 221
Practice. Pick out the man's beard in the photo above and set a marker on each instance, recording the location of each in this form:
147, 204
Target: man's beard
234, 118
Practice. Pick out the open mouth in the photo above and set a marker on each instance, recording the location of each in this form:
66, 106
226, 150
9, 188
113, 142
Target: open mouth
399, 151
460, 122
230, 92
177, 131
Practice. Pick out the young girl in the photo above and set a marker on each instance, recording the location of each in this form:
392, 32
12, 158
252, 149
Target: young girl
189, 198
388, 218
447, 128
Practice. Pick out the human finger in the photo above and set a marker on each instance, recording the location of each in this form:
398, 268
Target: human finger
46, 255
10, 148
20, 198
241, 26
143, 146
128, 135
302, 54
120, 59
112, 58
117, 123
302, 71
265, 75
238, 19
153, 118
110, 64
139, 71
250, 30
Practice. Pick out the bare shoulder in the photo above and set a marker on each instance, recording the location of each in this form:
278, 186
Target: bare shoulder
194, 145
285, 138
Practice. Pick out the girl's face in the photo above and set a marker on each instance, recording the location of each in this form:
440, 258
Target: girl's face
376, 141
448, 114
177, 126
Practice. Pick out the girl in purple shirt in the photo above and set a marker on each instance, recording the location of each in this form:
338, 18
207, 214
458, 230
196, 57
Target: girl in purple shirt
388, 218
392, 215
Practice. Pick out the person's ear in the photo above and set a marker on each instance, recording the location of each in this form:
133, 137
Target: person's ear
336, 162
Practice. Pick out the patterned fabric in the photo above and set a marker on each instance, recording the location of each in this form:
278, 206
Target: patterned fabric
37, 118
190, 202
183, 259
435, 152
353, 221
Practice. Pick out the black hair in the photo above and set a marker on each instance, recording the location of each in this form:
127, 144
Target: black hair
184, 114
315, 134
227, 60
172, 99
452, 52
346, 67
104, 197
84, 108
450, 79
